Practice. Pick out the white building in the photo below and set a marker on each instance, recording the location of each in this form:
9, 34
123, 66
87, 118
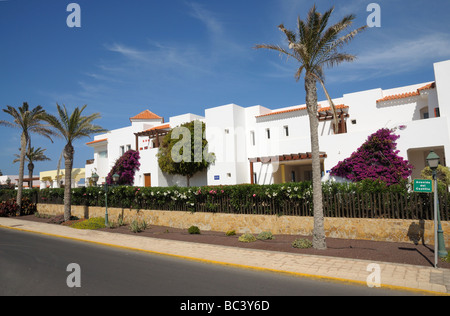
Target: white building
264, 146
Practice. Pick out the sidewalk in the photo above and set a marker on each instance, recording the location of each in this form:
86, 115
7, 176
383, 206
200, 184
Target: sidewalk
394, 276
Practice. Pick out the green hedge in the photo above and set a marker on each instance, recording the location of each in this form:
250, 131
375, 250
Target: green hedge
340, 199
237, 195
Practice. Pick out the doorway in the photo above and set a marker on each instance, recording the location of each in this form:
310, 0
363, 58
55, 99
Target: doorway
147, 179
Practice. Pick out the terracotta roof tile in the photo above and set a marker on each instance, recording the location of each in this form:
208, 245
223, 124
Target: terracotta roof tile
408, 94
158, 127
428, 86
146, 115
399, 96
340, 106
97, 141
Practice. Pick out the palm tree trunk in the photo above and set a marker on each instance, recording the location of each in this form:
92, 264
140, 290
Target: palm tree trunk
68, 162
23, 148
30, 174
311, 104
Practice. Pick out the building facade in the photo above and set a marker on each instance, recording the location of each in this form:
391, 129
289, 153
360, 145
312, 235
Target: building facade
264, 146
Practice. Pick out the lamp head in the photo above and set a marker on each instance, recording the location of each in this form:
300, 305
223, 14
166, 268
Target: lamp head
116, 178
94, 177
433, 160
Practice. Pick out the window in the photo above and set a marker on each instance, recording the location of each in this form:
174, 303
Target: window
227, 131
424, 114
128, 147
252, 137
437, 112
268, 133
293, 176
122, 150
103, 154
286, 131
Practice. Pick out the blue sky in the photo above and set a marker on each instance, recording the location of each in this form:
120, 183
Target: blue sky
180, 56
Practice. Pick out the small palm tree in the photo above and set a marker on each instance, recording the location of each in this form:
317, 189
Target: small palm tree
315, 46
72, 127
32, 154
27, 121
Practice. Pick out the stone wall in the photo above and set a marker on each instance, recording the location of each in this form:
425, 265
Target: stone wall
348, 228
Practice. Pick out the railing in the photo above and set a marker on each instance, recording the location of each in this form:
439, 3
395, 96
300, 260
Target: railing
417, 206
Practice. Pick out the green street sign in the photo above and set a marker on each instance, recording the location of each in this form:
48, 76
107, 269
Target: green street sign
424, 186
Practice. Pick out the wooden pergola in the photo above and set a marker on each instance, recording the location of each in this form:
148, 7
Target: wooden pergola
153, 133
341, 115
281, 158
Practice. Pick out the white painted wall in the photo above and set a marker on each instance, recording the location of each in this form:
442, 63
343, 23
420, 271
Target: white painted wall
230, 130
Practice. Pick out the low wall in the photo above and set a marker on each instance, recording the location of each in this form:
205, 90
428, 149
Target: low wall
395, 230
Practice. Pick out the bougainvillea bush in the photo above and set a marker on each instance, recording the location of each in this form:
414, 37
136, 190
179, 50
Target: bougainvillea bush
376, 159
125, 167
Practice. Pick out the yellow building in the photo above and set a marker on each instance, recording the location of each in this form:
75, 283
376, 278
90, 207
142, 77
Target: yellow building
50, 179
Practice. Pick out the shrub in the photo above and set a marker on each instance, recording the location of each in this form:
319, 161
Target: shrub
119, 223
125, 167
247, 238
9, 208
138, 226
447, 259
92, 223
265, 236
230, 233
302, 243
28, 208
377, 158
194, 230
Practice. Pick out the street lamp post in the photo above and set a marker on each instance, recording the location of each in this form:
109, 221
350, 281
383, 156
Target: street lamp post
439, 243
95, 178
115, 180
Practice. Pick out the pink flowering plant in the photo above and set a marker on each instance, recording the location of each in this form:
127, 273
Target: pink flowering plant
125, 167
376, 159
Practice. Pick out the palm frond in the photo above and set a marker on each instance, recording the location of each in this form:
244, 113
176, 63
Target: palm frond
289, 34
315, 45
276, 48
75, 125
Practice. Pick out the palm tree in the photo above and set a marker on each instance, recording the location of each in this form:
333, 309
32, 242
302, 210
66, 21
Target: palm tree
32, 154
72, 127
315, 46
27, 121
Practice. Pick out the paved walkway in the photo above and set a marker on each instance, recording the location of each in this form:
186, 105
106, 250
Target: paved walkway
394, 276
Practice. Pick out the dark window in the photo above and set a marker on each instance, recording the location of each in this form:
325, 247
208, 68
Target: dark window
437, 112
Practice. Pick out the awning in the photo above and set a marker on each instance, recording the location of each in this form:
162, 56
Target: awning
299, 156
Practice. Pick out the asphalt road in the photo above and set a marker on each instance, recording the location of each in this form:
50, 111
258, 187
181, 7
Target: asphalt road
33, 264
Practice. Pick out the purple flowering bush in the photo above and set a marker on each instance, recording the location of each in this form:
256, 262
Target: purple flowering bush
125, 167
376, 159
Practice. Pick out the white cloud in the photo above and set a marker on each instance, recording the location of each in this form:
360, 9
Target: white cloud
406, 53
207, 17
393, 56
